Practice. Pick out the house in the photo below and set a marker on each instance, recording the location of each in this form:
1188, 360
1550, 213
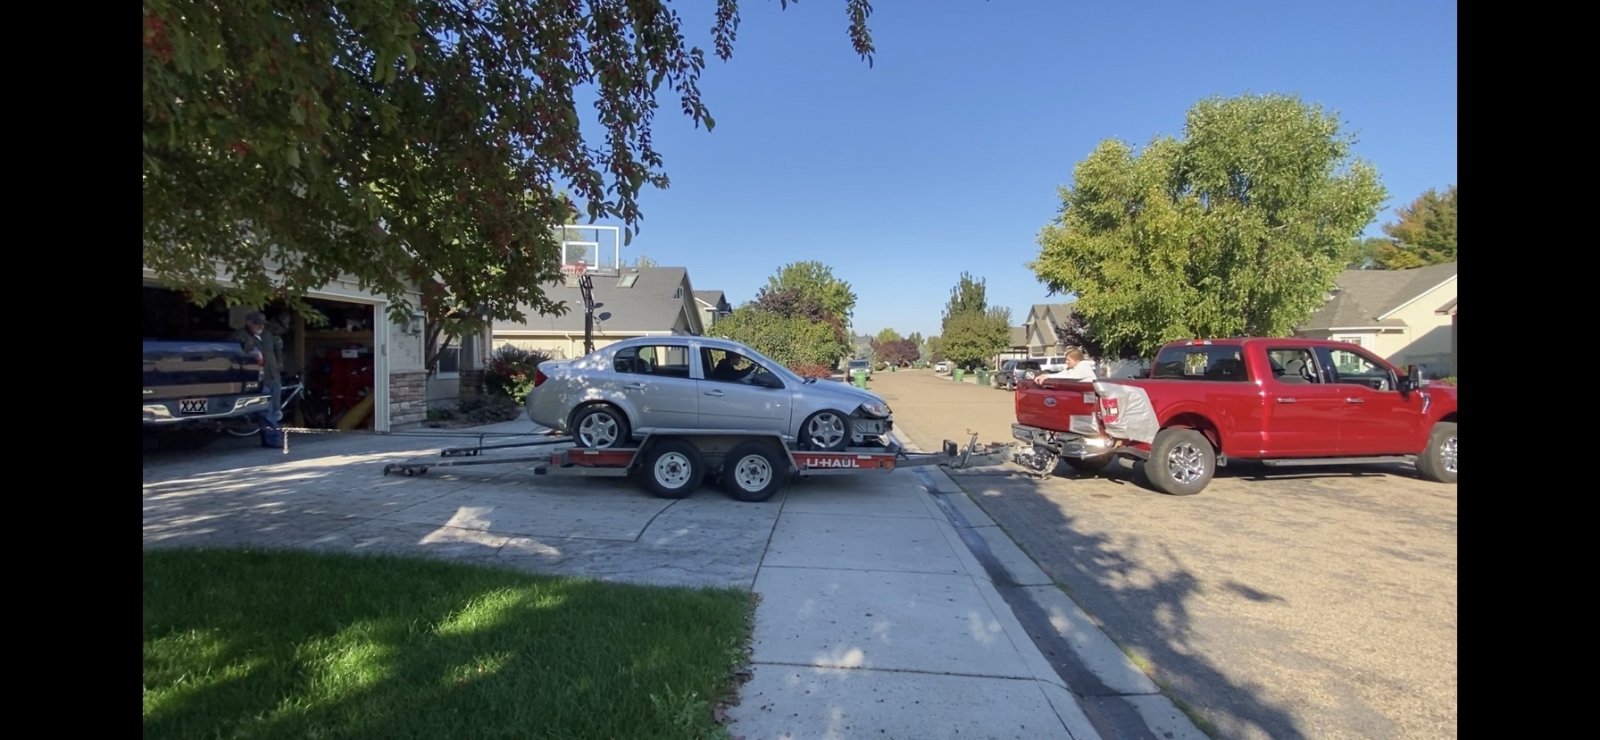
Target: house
631, 302
713, 305
1016, 348
359, 353
1039, 329
1405, 316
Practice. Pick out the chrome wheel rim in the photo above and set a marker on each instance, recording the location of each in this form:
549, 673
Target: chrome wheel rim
1447, 454
752, 473
1186, 463
825, 430
598, 430
672, 470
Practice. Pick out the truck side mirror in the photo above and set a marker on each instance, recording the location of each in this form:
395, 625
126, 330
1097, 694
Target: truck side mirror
1412, 379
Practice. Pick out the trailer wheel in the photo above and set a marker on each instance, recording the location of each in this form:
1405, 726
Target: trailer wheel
753, 471
1181, 462
673, 469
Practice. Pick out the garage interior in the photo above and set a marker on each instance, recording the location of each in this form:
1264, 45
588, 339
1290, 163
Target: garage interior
334, 357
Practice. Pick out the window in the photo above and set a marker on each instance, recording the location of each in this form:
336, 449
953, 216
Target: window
449, 361
1357, 368
722, 366
1356, 340
1296, 366
664, 360
1200, 362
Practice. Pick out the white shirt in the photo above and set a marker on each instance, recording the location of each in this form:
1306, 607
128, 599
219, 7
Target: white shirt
1084, 370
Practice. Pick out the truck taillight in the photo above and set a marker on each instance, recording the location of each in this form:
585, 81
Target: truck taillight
538, 378
1108, 410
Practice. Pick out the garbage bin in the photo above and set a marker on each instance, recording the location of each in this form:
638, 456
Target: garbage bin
983, 376
958, 374
894, 368
860, 378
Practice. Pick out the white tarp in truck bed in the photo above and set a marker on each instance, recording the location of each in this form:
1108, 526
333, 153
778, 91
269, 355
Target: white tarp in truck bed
1126, 411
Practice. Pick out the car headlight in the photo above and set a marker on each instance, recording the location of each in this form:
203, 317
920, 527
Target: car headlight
880, 410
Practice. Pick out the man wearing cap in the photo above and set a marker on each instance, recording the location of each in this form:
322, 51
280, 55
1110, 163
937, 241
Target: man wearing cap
267, 348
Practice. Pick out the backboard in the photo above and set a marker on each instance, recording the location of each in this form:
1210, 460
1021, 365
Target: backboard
598, 248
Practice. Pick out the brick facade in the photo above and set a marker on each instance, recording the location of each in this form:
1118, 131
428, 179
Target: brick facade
408, 399
471, 383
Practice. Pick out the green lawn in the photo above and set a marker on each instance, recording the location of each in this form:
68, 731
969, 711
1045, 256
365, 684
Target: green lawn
299, 645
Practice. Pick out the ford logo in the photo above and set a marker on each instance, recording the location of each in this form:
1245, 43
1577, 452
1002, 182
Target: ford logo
1049, 400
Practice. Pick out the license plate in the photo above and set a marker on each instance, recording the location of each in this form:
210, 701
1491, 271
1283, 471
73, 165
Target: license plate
193, 406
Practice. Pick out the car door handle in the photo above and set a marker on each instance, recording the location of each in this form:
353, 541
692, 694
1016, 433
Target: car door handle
718, 394
1285, 400
634, 386
1355, 400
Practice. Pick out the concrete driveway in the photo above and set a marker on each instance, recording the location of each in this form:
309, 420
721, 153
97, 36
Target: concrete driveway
1276, 603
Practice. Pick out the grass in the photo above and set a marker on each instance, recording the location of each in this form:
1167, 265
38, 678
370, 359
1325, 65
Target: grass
299, 645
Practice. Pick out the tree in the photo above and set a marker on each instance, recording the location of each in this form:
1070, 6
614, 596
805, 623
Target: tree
971, 339
1363, 253
1425, 233
916, 338
402, 141
888, 335
816, 280
644, 263
934, 349
967, 296
1238, 228
792, 340
895, 351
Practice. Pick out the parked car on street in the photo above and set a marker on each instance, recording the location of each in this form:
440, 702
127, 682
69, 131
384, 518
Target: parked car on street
648, 384
1014, 372
941, 367
862, 365
1279, 401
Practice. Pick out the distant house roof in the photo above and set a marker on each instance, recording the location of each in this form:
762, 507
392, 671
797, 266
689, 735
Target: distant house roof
1366, 298
654, 302
713, 298
1019, 336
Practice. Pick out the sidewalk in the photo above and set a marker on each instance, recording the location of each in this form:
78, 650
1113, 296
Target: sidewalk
876, 620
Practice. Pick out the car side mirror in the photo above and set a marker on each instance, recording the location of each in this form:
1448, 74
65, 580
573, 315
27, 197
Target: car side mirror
1412, 379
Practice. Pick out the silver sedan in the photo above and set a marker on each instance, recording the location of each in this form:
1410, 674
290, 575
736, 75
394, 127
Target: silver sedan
648, 384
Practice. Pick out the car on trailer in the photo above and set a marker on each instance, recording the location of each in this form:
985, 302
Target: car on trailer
635, 387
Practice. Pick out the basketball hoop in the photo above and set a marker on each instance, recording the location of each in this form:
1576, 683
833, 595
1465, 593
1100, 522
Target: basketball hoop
576, 269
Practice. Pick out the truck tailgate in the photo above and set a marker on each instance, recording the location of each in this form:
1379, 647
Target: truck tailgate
1058, 405
178, 370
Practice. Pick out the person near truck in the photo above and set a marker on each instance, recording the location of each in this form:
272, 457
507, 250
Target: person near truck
267, 348
1079, 367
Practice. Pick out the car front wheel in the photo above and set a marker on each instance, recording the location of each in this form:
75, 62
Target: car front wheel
826, 431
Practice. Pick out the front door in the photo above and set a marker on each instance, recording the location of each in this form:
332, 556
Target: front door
655, 380
738, 393
1378, 420
1304, 412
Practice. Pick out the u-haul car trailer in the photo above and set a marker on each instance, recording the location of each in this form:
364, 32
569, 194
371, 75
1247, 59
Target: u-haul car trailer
673, 463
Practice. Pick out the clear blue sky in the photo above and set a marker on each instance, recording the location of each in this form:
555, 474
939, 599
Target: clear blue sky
946, 155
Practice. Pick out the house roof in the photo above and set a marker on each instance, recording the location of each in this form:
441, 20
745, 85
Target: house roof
712, 298
1363, 296
1019, 336
653, 303
1449, 307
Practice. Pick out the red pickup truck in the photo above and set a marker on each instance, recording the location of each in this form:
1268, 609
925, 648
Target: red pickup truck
1275, 401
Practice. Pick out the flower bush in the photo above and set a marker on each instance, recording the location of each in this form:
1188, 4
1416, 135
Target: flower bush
812, 370
510, 372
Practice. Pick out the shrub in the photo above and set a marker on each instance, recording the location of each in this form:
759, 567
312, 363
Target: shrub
1449, 380
487, 408
812, 370
510, 372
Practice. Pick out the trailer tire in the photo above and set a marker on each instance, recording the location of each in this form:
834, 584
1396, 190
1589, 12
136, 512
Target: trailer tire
1181, 462
673, 469
753, 471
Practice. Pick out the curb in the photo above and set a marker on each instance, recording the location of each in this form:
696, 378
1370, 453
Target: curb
1114, 695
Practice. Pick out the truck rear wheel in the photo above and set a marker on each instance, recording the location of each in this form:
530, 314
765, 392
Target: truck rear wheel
1181, 462
1438, 462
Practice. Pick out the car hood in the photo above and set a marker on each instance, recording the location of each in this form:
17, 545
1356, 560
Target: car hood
836, 389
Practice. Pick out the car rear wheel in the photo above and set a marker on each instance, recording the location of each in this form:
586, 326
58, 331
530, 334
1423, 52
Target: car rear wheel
826, 431
1438, 462
753, 472
600, 426
1181, 462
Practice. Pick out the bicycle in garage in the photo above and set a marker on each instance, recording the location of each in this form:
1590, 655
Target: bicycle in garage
294, 398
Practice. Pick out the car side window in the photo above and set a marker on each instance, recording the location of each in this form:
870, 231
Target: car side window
1358, 369
667, 361
1293, 366
723, 366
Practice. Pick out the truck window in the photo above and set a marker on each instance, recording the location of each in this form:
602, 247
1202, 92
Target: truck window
1295, 366
1199, 362
1357, 368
